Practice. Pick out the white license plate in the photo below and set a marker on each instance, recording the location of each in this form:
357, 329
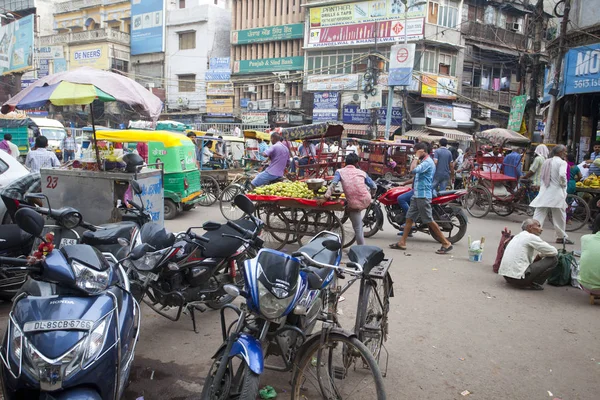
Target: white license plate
67, 242
151, 276
60, 325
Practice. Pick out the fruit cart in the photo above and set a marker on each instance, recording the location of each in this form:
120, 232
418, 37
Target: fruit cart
589, 190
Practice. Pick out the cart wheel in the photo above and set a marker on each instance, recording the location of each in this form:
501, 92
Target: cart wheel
314, 222
578, 213
275, 234
502, 208
170, 209
210, 187
277, 216
478, 201
229, 210
388, 176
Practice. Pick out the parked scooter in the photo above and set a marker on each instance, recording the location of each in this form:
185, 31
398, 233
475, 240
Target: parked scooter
14, 243
74, 325
450, 217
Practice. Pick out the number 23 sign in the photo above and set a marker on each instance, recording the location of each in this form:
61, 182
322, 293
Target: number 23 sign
51, 182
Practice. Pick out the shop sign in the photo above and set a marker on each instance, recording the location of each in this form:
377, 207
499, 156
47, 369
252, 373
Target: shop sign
296, 118
217, 75
582, 71
219, 63
366, 33
26, 82
517, 109
268, 65
255, 118
402, 59
268, 34
372, 101
49, 52
89, 56
322, 115
219, 89
352, 114
439, 87
60, 65
44, 68
244, 102
282, 118
219, 106
326, 100
265, 104
332, 82
461, 112
439, 111
364, 11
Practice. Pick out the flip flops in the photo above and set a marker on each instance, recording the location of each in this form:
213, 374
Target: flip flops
396, 246
444, 250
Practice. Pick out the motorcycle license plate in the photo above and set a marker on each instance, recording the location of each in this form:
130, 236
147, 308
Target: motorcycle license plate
67, 242
58, 325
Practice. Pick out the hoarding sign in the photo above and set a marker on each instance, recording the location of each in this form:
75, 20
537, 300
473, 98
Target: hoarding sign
268, 34
517, 109
268, 65
439, 111
219, 89
217, 75
219, 106
16, 45
49, 52
324, 115
147, 26
26, 82
60, 65
364, 11
95, 56
439, 87
44, 68
255, 118
218, 63
402, 60
366, 33
582, 70
332, 82
326, 106
352, 114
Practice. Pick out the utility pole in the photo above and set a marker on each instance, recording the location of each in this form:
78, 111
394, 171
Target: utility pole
558, 68
535, 70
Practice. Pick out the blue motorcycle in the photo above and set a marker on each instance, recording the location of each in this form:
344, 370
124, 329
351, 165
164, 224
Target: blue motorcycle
73, 326
286, 295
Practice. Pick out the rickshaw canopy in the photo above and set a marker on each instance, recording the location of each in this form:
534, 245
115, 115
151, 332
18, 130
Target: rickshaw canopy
313, 131
502, 137
169, 139
252, 134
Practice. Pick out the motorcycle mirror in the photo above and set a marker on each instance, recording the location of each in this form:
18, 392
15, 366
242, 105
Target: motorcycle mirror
332, 245
30, 221
139, 251
135, 185
244, 204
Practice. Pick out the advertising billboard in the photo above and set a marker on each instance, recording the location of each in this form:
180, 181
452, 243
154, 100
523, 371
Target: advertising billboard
326, 106
582, 70
364, 11
16, 45
147, 26
91, 55
439, 87
332, 82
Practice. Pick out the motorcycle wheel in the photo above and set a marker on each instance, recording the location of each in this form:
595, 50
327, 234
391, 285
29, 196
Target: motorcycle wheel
456, 219
372, 221
247, 389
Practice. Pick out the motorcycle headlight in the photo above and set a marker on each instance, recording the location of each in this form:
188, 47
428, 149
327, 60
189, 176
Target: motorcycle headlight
270, 306
89, 280
71, 220
148, 262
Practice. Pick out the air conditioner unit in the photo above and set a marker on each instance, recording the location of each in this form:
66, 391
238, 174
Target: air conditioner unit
279, 87
252, 105
250, 89
295, 103
356, 97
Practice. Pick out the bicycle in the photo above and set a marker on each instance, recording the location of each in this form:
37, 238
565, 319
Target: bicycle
241, 184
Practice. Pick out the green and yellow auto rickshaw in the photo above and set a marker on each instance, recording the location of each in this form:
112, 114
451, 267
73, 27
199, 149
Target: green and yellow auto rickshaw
173, 152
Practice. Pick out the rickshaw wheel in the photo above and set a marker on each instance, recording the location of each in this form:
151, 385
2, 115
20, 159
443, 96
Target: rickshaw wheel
578, 213
502, 208
170, 209
210, 187
388, 176
228, 209
314, 222
478, 201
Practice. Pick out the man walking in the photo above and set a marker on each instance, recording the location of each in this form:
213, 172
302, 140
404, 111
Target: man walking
420, 204
69, 146
594, 169
553, 193
520, 266
8, 146
41, 157
444, 164
279, 155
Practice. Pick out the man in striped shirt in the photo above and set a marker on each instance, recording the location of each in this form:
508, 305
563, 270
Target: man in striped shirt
423, 168
41, 157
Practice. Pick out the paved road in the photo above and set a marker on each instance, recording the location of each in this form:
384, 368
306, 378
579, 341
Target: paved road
455, 326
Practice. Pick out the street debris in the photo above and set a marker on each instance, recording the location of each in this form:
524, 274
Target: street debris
462, 359
407, 254
465, 393
434, 269
487, 295
152, 375
550, 393
267, 393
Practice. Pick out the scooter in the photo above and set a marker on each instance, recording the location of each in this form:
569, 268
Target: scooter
73, 326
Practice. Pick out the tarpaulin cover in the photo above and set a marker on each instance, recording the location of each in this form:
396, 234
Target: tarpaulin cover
169, 139
501, 137
313, 131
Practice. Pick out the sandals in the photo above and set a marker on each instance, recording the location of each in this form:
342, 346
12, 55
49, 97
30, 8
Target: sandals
444, 250
396, 246
565, 241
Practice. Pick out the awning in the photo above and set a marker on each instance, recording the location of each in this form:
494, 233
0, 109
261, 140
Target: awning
452, 134
502, 50
416, 134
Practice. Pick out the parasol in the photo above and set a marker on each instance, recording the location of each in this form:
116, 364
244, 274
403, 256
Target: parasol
501, 137
81, 87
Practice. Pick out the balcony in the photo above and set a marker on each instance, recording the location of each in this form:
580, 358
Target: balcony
488, 96
494, 35
76, 5
96, 35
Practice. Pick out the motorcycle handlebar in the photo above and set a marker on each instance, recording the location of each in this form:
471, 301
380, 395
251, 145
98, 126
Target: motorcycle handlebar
313, 263
135, 205
237, 228
200, 238
14, 261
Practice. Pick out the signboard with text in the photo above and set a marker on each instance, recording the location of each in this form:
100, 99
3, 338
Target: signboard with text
268, 34
147, 26
91, 55
439, 111
332, 82
255, 118
439, 87
49, 52
364, 11
517, 109
223, 106
353, 114
326, 106
402, 59
219, 89
268, 65
16, 45
218, 63
582, 70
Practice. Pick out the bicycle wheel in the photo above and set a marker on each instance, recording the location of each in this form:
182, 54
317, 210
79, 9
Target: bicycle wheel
210, 187
478, 201
314, 222
229, 210
578, 213
340, 368
502, 208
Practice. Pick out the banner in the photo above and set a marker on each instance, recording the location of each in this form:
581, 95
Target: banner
582, 70
332, 82
326, 106
268, 34
219, 63
366, 33
402, 60
439, 111
268, 65
44, 68
255, 118
91, 55
49, 52
147, 26
219, 106
217, 75
16, 45
60, 65
219, 89
439, 87
364, 11
517, 109
352, 114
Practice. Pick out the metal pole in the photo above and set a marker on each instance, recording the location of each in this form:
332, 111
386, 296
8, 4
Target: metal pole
388, 115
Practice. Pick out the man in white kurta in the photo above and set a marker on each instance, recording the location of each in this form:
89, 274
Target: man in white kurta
553, 193
528, 261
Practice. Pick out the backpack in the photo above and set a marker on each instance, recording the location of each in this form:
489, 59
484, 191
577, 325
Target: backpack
561, 275
504, 240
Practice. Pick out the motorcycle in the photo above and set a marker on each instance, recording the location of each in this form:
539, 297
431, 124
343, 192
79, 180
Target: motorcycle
73, 326
14, 243
451, 218
188, 271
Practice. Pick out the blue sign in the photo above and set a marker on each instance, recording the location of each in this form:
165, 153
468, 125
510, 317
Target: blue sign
582, 70
44, 69
324, 115
352, 114
244, 102
16, 45
217, 75
147, 26
60, 65
26, 82
326, 100
218, 63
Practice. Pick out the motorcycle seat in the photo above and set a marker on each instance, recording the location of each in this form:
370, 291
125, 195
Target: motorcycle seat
11, 236
446, 193
109, 233
222, 247
367, 256
317, 252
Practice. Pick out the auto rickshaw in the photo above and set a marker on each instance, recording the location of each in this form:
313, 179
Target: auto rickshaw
176, 154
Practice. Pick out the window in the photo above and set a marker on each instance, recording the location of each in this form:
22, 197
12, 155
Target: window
429, 62
120, 65
447, 64
3, 167
187, 40
181, 3
187, 83
448, 15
